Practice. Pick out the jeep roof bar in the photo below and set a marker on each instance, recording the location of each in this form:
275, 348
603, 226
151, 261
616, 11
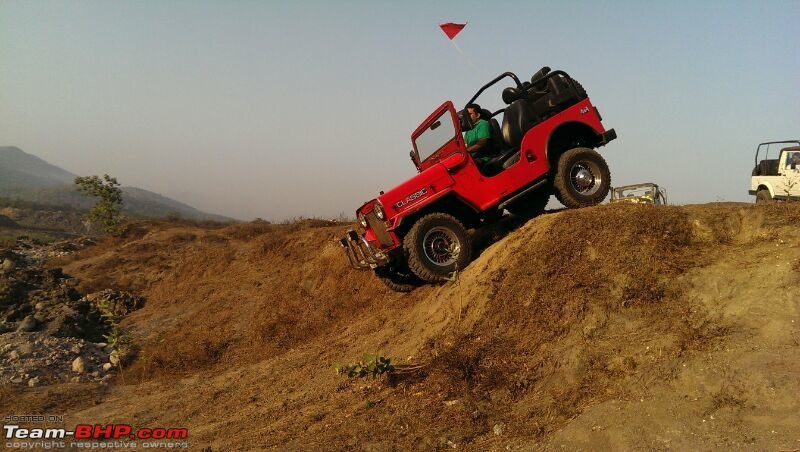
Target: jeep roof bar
519, 84
495, 80
797, 142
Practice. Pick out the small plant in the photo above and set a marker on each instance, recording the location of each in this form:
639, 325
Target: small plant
789, 183
109, 200
118, 339
370, 365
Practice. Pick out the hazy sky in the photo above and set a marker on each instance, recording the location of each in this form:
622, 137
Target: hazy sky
280, 109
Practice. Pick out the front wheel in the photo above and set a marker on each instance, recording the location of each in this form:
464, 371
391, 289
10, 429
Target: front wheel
763, 196
437, 245
397, 280
582, 178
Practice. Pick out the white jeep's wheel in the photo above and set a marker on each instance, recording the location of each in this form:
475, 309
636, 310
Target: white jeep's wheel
436, 246
582, 178
763, 196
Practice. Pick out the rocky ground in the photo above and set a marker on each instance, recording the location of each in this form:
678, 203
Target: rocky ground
49, 332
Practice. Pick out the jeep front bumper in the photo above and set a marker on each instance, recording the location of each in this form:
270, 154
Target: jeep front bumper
360, 253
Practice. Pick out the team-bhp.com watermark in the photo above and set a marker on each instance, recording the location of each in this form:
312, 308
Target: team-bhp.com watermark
88, 436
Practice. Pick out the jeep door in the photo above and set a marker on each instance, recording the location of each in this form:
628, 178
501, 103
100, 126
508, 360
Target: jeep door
788, 183
438, 137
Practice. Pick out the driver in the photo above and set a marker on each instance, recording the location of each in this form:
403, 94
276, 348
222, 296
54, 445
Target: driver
477, 137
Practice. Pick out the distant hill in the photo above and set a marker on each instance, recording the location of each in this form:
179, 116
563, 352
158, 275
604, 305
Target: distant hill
27, 178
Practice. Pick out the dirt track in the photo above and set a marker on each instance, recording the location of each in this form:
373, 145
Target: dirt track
625, 327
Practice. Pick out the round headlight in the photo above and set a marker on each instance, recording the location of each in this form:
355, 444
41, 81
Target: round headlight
379, 211
362, 220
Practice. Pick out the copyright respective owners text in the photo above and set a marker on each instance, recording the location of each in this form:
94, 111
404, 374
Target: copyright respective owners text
43, 432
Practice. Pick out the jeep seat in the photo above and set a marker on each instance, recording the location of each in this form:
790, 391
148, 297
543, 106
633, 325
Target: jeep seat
518, 118
767, 167
496, 144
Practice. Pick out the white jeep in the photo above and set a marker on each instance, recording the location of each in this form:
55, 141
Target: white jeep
776, 178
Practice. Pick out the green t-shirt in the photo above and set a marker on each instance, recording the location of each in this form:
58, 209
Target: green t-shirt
481, 129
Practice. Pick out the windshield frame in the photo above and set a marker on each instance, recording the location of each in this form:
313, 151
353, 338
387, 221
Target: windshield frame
452, 146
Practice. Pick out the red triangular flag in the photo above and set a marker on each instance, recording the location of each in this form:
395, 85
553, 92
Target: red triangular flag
451, 29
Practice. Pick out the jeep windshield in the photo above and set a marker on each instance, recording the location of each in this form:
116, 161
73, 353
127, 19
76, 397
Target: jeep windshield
634, 191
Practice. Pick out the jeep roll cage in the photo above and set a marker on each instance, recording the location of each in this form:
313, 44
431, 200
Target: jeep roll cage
526, 87
766, 153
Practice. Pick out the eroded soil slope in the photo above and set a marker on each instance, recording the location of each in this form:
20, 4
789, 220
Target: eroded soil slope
615, 326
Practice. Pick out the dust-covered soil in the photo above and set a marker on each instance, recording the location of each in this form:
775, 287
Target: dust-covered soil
613, 327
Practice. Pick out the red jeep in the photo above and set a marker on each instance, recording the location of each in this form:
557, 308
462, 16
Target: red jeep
417, 231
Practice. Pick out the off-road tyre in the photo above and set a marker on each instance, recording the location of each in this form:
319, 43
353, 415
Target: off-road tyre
531, 205
396, 280
763, 196
437, 245
582, 178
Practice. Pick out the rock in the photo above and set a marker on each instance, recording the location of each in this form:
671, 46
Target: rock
14, 355
25, 349
107, 366
78, 366
7, 265
28, 324
33, 382
16, 381
498, 429
75, 379
94, 374
40, 305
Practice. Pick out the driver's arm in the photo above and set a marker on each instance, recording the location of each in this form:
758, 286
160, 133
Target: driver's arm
478, 145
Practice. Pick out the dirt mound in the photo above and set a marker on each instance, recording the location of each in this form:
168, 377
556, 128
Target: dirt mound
6, 222
570, 323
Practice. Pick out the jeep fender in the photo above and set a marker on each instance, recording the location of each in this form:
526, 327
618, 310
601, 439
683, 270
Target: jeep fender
447, 201
574, 134
768, 186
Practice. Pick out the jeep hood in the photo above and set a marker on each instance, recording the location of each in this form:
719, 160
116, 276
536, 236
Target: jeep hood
413, 192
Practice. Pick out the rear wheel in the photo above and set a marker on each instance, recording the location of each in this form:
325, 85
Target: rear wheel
437, 245
763, 196
582, 178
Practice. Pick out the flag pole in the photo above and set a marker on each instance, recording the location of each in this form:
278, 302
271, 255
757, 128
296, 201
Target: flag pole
451, 29
469, 61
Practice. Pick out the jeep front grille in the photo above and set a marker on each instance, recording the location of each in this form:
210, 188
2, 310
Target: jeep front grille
380, 229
